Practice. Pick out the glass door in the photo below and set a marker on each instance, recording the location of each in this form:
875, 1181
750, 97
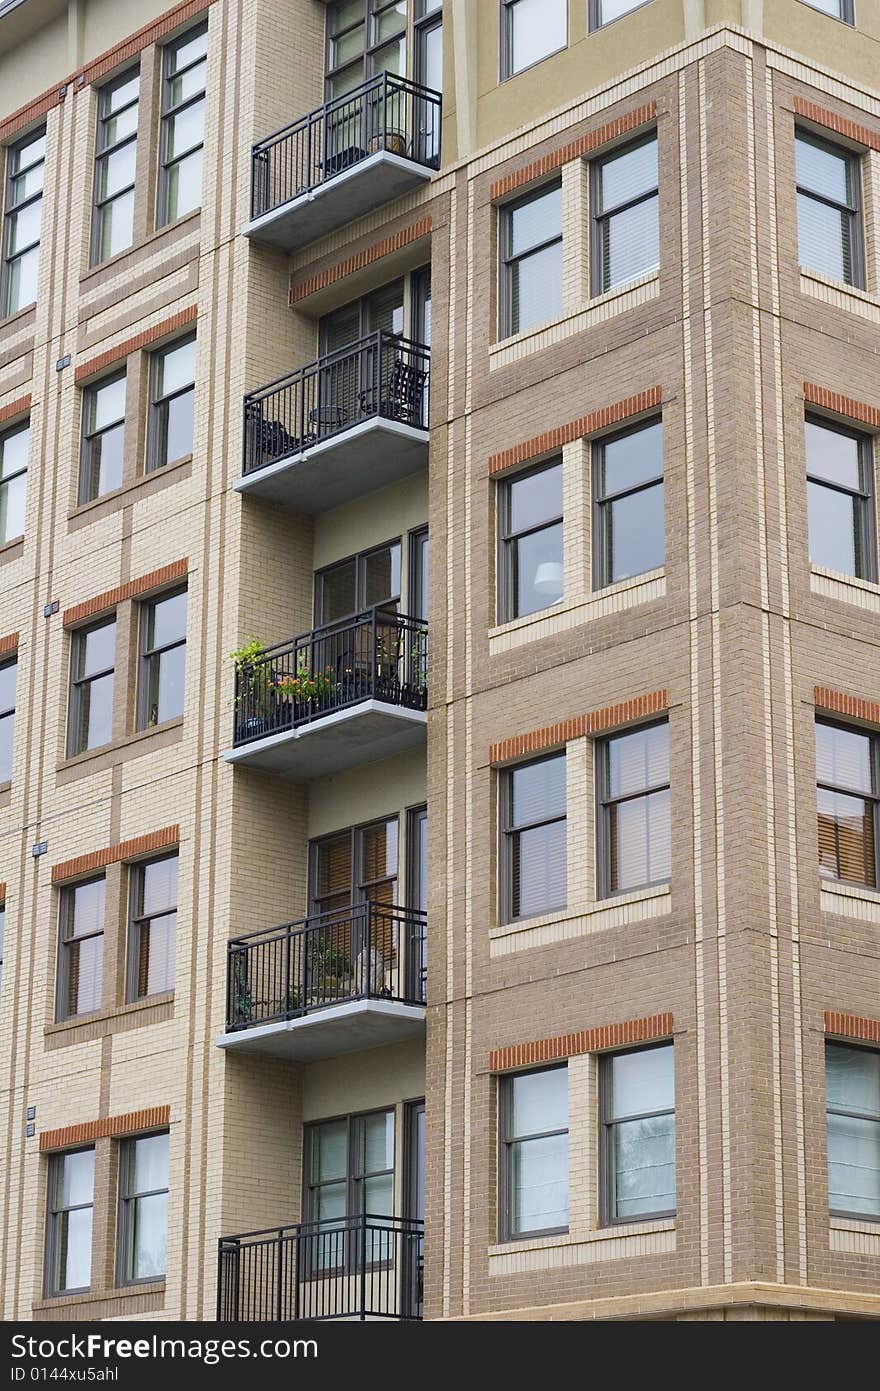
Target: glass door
414, 1198
417, 897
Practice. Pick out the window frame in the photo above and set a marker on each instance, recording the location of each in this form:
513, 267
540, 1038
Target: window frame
147, 656
360, 559
595, 21
167, 114
506, 1141
354, 1186
157, 422
600, 501
371, 9
18, 428
507, 261
509, 539
606, 1126
126, 1204
599, 219
358, 885
847, 1214
873, 797
865, 498
604, 801
508, 832
847, 11
103, 152
136, 919
54, 1178
423, 22
78, 683
88, 437
854, 160
505, 43
66, 900
10, 210
8, 712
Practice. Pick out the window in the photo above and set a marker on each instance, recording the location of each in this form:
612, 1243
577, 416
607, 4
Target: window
172, 403
852, 1094
606, 11
153, 924
143, 1209
534, 1153
533, 838
637, 1105
81, 964
838, 9
2, 937
14, 445
21, 229
531, 30
829, 210
359, 583
8, 682
628, 488
69, 1227
115, 157
626, 203
364, 37
634, 828
428, 41
840, 499
103, 436
847, 791
530, 514
183, 125
93, 660
349, 1173
163, 659
354, 866
531, 232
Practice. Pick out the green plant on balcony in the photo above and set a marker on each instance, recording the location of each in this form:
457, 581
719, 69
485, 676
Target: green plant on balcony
253, 697
242, 999
303, 686
329, 968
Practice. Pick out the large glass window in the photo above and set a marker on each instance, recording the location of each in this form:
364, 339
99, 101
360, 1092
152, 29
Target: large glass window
533, 831
530, 516
172, 403
103, 438
637, 1101
534, 1159
531, 232
349, 1173
354, 866
69, 1234
847, 795
25, 162
183, 125
852, 1097
838, 9
628, 487
14, 446
163, 659
626, 215
840, 499
829, 198
115, 158
93, 662
634, 830
364, 37
8, 683
143, 1209
606, 11
531, 30
359, 583
81, 960
153, 925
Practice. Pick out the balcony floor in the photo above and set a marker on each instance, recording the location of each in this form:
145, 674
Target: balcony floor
348, 1027
362, 733
367, 185
367, 456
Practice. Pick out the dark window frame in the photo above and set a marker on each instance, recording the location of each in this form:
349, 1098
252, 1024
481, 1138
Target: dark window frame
873, 797
150, 658
88, 437
8, 712
169, 111
848, 1214
505, 43
53, 1212
126, 1205
846, 16
136, 920
508, 832
600, 219
507, 260
607, 1217
601, 509
18, 428
595, 20
354, 1187
357, 884
508, 541
372, 9
360, 558
66, 917
605, 802
506, 1141
10, 210
157, 423
855, 211
78, 684
865, 497
103, 152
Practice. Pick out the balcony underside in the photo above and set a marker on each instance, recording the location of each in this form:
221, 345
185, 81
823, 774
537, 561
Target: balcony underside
362, 733
367, 456
342, 1028
367, 185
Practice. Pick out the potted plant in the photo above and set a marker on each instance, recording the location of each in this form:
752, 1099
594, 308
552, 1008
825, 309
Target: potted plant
252, 697
329, 970
299, 689
242, 999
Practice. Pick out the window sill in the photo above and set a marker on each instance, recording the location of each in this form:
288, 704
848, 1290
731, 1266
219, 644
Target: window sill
76, 1301
144, 485
651, 1237
83, 1028
582, 608
11, 550
511, 76
118, 262
593, 311
847, 297
849, 901
113, 751
581, 920
15, 320
5, 793
849, 589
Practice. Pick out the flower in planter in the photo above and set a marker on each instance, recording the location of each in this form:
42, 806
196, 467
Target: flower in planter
302, 687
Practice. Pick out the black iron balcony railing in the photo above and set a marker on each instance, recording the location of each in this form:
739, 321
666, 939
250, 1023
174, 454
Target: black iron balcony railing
382, 375
367, 1267
385, 113
379, 655
367, 951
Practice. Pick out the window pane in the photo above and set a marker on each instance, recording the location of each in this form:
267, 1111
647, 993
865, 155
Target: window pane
8, 682
149, 1236
641, 1082
833, 456
846, 838
854, 1165
97, 649
382, 575
823, 170
13, 498
116, 226
25, 185
107, 404
333, 875
97, 712
537, 791
378, 1142
186, 129
391, 20
537, 27
843, 757
24, 227
535, 498
632, 459
187, 85
539, 870
187, 50
638, 760
628, 175
644, 1166
539, 1102
28, 154
116, 170
176, 367
179, 427
330, 1155
535, 220
539, 1184
538, 577
168, 620
172, 676
185, 186
834, 529
824, 240
87, 902
379, 851
7, 733
613, 9
631, 244
640, 842
77, 1178
156, 962
635, 537
378, 1198
14, 451
74, 1236
536, 288
86, 974
338, 592
852, 1078
113, 98
23, 280
150, 1163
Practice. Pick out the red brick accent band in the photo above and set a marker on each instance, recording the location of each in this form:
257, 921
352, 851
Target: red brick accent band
852, 706
387, 247
545, 1050
862, 135
553, 736
9, 643
841, 405
106, 62
18, 407
852, 1026
585, 145
153, 1118
101, 603
575, 430
113, 854
133, 345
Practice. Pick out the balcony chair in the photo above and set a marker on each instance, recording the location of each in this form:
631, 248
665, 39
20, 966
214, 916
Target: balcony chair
401, 395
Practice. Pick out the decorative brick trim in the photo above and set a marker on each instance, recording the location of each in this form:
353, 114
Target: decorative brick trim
842, 405
820, 116
153, 1118
113, 854
104, 63
9, 643
101, 603
852, 706
19, 407
545, 1050
585, 145
576, 429
133, 345
360, 260
852, 1026
553, 736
